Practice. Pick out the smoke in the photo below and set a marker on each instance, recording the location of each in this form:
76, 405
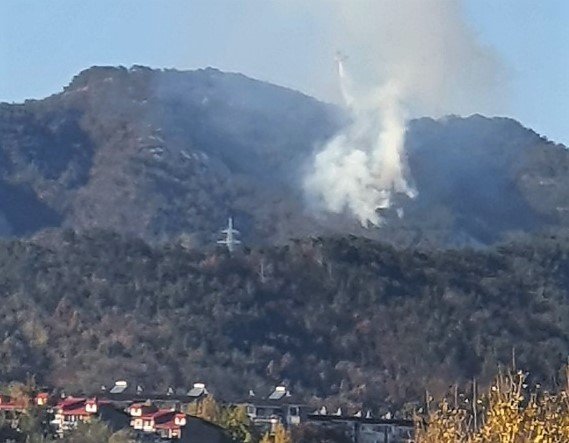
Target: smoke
406, 58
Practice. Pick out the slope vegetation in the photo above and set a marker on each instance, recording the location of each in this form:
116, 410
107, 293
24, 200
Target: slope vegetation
345, 318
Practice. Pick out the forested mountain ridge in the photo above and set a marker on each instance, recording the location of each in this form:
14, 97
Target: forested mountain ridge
160, 154
343, 318
156, 154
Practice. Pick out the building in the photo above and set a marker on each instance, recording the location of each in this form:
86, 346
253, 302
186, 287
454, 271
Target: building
280, 406
169, 424
71, 411
146, 417
366, 429
42, 399
122, 395
150, 421
9, 404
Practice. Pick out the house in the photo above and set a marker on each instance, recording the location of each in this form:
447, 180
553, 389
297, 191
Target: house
9, 404
146, 417
71, 411
197, 392
122, 395
137, 410
169, 424
280, 406
42, 399
366, 429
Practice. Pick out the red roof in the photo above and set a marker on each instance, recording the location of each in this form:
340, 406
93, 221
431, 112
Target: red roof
76, 406
164, 415
72, 406
167, 425
160, 415
137, 405
77, 411
70, 402
8, 403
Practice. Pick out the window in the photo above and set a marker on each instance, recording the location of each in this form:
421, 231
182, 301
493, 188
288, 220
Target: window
293, 411
251, 410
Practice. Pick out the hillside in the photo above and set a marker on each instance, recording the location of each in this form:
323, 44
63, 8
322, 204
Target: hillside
162, 154
345, 318
155, 153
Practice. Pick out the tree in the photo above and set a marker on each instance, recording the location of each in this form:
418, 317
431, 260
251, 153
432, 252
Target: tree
206, 408
93, 431
238, 424
33, 423
281, 435
277, 435
123, 436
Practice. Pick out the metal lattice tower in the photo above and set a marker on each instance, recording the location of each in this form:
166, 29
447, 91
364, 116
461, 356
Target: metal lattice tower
230, 234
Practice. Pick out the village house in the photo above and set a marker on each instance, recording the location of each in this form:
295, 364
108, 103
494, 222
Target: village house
8, 403
122, 395
160, 416
278, 407
11, 408
71, 411
42, 399
147, 417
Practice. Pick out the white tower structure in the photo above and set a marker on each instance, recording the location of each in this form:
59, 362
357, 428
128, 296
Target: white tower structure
229, 233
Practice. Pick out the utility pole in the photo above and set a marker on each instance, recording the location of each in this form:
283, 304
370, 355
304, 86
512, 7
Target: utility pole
230, 234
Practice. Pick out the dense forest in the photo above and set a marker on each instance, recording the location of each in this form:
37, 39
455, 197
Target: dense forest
348, 319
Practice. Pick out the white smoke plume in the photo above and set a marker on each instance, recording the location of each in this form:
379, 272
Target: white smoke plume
410, 57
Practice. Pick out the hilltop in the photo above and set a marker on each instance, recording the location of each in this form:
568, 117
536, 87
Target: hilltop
166, 154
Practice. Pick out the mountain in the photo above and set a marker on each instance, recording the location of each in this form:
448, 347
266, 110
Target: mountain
157, 154
344, 319
164, 154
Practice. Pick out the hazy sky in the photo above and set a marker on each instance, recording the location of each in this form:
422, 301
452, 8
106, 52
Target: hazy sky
44, 43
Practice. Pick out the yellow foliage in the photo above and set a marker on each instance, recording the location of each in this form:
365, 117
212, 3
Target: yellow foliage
206, 408
278, 434
233, 419
508, 413
236, 421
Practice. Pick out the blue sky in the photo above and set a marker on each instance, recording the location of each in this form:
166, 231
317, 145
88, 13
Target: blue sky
44, 43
